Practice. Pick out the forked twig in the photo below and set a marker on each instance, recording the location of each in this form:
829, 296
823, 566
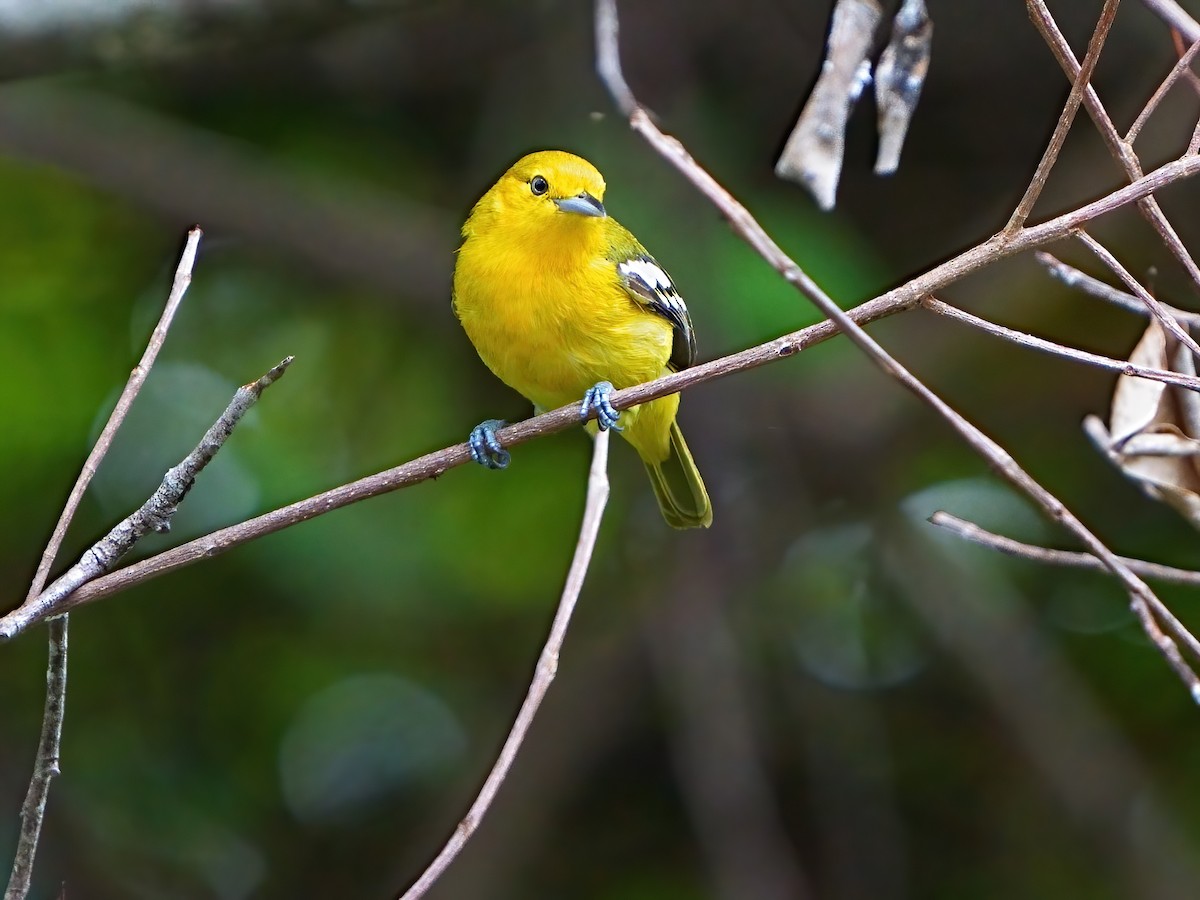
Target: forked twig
1156, 309
46, 765
1072, 558
1122, 152
1183, 65
1074, 278
1065, 118
158, 510
972, 532
1124, 367
432, 465
547, 668
747, 227
1194, 144
183, 278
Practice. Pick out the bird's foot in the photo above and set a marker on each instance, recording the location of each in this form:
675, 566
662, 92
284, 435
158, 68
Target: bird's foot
485, 446
597, 399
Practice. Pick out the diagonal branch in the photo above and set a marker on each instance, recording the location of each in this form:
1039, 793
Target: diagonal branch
1074, 278
547, 668
748, 228
156, 513
1156, 309
1121, 151
435, 464
1072, 558
1065, 118
183, 278
46, 765
1124, 367
1183, 65
972, 532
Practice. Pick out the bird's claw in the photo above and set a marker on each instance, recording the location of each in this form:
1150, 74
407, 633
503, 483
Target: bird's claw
485, 446
597, 399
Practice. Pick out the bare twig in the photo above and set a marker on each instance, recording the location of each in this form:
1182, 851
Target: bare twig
1175, 16
1066, 117
1083, 758
1074, 278
547, 668
1124, 367
972, 532
1193, 146
747, 227
156, 513
432, 465
435, 464
1183, 65
1071, 558
183, 277
46, 765
1122, 152
1156, 309
608, 58
1181, 49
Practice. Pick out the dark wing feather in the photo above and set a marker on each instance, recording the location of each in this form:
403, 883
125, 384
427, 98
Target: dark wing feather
649, 284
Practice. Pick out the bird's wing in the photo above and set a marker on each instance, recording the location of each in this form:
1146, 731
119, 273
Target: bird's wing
649, 284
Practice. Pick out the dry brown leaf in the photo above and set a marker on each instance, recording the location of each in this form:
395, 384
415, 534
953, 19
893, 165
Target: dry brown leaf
1154, 429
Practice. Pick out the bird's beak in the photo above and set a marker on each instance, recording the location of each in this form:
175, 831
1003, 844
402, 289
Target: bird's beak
583, 205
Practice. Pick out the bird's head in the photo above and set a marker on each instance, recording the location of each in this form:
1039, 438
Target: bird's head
547, 189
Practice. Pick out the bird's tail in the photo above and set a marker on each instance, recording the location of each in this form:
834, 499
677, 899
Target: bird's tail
678, 486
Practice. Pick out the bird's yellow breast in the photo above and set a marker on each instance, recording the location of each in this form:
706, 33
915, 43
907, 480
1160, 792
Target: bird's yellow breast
550, 318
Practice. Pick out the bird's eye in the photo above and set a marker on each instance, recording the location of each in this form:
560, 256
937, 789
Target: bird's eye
538, 185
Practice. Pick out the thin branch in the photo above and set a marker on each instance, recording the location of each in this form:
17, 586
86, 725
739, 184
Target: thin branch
1065, 118
1071, 558
547, 668
1124, 367
435, 464
1122, 152
744, 224
1080, 752
972, 532
431, 465
1156, 309
45, 766
608, 57
1181, 48
156, 513
1175, 16
46, 762
1183, 65
1074, 278
183, 278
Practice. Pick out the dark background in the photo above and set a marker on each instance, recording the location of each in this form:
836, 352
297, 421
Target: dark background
819, 690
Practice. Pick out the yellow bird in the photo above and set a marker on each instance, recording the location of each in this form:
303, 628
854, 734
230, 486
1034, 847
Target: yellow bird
563, 303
